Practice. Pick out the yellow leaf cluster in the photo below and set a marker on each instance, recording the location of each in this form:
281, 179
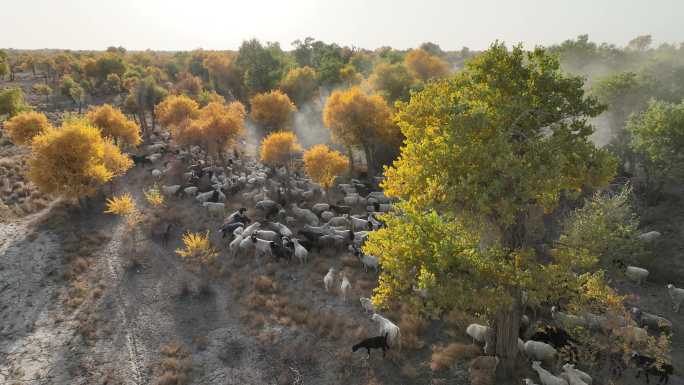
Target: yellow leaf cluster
74, 160
197, 248
278, 148
323, 165
425, 66
300, 84
121, 205
216, 127
154, 196
173, 111
114, 124
23, 127
272, 110
358, 119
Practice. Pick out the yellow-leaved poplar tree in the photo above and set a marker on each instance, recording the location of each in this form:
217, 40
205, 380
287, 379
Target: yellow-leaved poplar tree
272, 110
221, 125
359, 120
115, 125
279, 149
324, 165
176, 110
300, 84
73, 161
23, 127
425, 66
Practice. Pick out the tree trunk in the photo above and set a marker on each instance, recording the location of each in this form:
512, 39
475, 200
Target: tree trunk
506, 326
351, 161
369, 160
154, 120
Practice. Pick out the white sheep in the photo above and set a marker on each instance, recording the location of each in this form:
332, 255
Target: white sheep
545, 376
319, 208
478, 332
250, 229
156, 173
305, 215
652, 321
359, 224
204, 197
392, 330
192, 190
235, 244
246, 243
676, 295
637, 274
572, 378
338, 221
282, 229
345, 286
367, 305
368, 261
329, 279
154, 157
300, 251
267, 235
567, 319
327, 215
540, 351
170, 190
582, 375
217, 209
649, 236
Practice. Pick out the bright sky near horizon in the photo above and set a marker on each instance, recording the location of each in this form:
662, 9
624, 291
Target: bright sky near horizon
216, 24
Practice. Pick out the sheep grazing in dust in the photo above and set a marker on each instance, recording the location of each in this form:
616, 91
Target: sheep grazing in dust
567, 368
676, 295
345, 286
636, 274
478, 332
540, 351
329, 279
387, 326
545, 376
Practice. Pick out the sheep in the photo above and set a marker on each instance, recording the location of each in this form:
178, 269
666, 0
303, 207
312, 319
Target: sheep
338, 221
345, 286
648, 365
478, 332
329, 279
154, 157
583, 376
327, 215
280, 251
572, 378
235, 244
215, 208
652, 321
251, 228
545, 376
360, 224
205, 196
649, 236
539, 351
367, 305
305, 215
351, 200
554, 336
637, 274
231, 228
156, 173
246, 243
300, 252
330, 241
596, 322
192, 190
387, 326
170, 190
282, 229
319, 208
266, 235
367, 261
567, 319
676, 295
261, 246
379, 342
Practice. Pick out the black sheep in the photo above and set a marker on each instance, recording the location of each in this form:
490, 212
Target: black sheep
647, 365
141, 160
379, 342
281, 252
229, 228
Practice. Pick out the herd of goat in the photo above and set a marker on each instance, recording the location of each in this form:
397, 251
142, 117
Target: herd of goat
283, 200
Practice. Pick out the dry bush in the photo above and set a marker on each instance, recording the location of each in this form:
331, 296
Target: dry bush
264, 284
444, 357
18, 197
87, 323
482, 370
175, 366
76, 294
75, 267
412, 326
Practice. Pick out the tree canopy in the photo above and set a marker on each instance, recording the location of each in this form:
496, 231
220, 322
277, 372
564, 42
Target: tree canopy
279, 148
425, 66
300, 84
324, 165
272, 110
22, 128
115, 125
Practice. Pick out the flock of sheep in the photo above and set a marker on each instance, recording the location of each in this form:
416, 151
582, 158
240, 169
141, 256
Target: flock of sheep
297, 201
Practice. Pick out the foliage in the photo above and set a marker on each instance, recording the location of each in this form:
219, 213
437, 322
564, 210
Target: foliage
174, 110
115, 125
218, 126
197, 248
261, 65
279, 148
23, 127
206, 97
359, 120
425, 66
657, 137
392, 81
12, 102
272, 110
323, 165
71, 160
114, 160
42, 89
225, 74
121, 205
300, 84
483, 151
154, 196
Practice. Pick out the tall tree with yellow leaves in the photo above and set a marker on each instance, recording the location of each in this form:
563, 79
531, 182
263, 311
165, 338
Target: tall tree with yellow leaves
22, 128
115, 125
279, 149
359, 120
273, 110
219, 126
176, 110
300, 84
425, 66
75, 160
324, 165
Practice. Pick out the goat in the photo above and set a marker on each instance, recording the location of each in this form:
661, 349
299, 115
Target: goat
387, 326
379, 342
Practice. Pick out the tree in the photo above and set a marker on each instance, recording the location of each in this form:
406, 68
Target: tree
12, 102
425, 66
109, 64
197, 249
225, 75
432, 48
189, 85
43, 89
176, 109
147, 95
392, 81
273, 110
358, 120
349, 77
4, 68
23, 127
115, 125
72, 161
324, 165
279, 149
484, 153
220, 125
640, 43
657, 137
300, 84
261, 66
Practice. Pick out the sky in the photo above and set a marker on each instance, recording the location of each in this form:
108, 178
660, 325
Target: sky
216, 24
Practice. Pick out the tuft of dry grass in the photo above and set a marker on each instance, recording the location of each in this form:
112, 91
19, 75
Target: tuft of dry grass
444, 357
482, 370
412, 326
175, 366
264, 284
